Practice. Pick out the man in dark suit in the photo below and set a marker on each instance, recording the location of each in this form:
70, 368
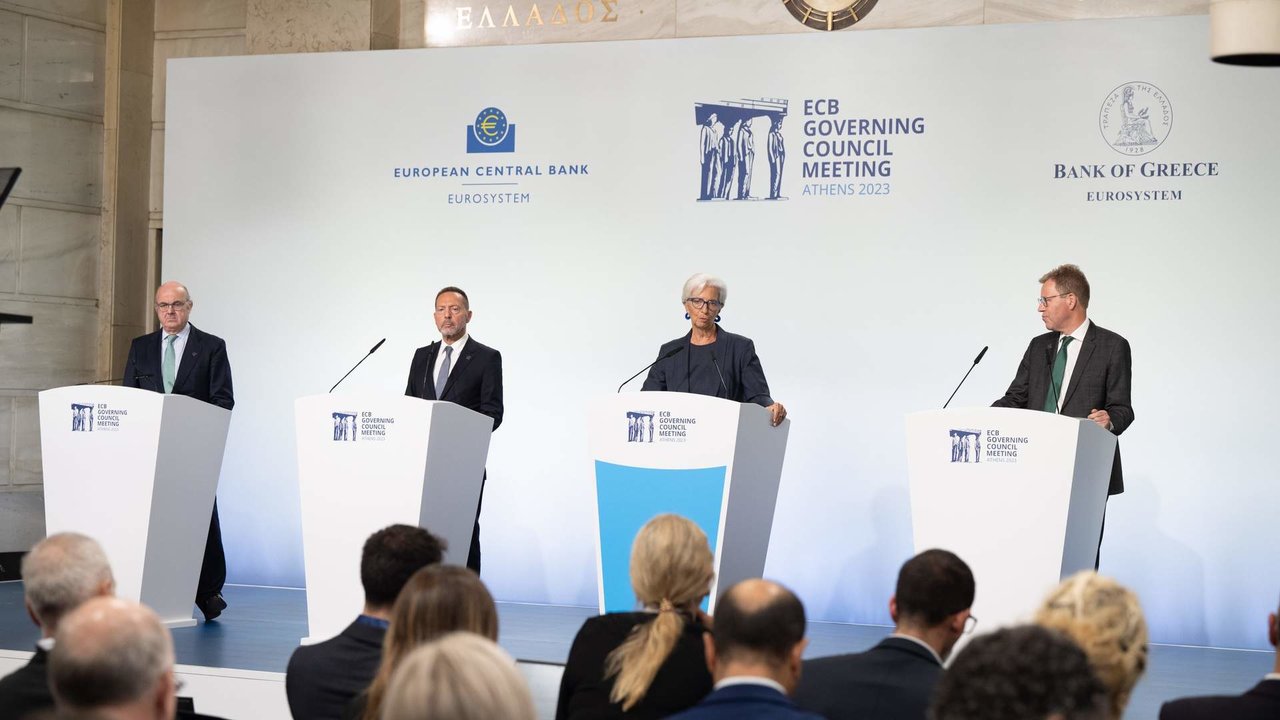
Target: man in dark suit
1077, 368
754, 655
323, 678
458, 369
1262, 702
60, 573
895, 679
182, 360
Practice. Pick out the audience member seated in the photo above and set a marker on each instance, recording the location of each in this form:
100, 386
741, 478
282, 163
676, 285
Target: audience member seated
754, 655
1105, 620
461, 676
437, 600
1263, 701
1021, 673
646, 664
59, 574
322, 679
895, 679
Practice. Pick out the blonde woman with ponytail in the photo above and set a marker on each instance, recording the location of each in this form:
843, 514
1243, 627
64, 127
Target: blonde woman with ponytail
646, 664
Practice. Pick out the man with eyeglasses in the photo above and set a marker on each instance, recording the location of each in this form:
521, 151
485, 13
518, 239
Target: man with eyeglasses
895, 679
1076, 369
180, 359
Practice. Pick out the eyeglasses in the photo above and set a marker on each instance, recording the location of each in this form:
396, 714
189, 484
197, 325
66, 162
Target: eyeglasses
970, 623
1043, 301
699, 303
179, 305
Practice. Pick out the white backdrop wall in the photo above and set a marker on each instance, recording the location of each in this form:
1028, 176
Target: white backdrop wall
302, 249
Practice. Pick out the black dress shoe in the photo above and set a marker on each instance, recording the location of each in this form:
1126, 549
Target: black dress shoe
212, 606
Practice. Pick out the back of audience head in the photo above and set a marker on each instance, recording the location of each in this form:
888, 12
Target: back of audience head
671, 572
461, 676
1021, 673
390, 557
61, 572
113, 656
1104, 618
759, 631
437, 600
934, 594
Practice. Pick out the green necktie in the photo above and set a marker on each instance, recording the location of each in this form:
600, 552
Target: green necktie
1059, 369
169, 369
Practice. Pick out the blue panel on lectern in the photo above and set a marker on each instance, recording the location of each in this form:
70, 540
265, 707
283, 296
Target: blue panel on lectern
629, 497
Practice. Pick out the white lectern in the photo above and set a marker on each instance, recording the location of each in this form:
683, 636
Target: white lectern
715, 461
137, 471
368, 461
1017, 494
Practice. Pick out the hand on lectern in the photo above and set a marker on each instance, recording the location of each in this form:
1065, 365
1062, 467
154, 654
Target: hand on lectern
777, 414
1102, 417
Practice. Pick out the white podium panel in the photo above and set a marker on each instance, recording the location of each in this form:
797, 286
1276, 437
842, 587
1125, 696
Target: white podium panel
368, 461
137, 471
1017, 494
714, 461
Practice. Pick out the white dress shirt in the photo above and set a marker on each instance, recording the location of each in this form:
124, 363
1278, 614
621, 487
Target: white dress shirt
453, 360
921, 643
750, 680
1073, 352
179, 346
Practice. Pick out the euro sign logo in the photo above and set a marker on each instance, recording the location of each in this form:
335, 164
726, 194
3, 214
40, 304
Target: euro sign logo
491, 133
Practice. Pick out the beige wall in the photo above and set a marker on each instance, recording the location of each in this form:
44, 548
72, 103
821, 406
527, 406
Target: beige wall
82, 109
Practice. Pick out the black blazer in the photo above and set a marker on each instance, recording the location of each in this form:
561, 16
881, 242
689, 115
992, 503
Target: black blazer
1102, 380
892, 681
322, 679
736, 702
681, 682
736, 356
1260, 703
475, 382
204, 372
26, 690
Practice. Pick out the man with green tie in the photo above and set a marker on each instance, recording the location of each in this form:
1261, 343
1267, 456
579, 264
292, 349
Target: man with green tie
180, 359
1077, 368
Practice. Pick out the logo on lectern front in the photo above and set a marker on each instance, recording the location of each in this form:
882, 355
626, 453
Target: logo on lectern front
81, 417
966, 445
344, 427
640, 426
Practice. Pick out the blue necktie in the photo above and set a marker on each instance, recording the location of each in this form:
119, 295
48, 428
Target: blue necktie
444, 371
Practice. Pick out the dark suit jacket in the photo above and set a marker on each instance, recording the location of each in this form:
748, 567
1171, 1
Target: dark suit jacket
739, 364
26, 690
323, 678
475, 381
1260, 703
204, 372
682, 680
746, 702
1101, 380
892, 681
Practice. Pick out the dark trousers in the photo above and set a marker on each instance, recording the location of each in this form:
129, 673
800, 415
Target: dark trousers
213, 570
473, 555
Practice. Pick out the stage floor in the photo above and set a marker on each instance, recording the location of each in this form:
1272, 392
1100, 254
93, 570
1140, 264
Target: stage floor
234, 666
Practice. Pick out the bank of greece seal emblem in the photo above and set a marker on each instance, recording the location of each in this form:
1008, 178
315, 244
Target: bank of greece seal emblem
1135, 118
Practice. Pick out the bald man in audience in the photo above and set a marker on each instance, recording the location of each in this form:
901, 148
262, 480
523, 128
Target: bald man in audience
754, 655
60, 573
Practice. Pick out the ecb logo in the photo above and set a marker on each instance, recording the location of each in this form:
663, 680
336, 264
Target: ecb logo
732, 136
81, 418
640, 426
966, 446
1135, 118
344, 427
491, 133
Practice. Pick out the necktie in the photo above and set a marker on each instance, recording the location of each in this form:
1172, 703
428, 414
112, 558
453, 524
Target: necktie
169, 369
1059, 369
444, 371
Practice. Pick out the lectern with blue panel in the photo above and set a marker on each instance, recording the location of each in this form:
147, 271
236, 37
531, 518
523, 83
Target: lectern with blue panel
714, 461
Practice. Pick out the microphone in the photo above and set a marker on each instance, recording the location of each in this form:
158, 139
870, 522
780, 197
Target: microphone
107, 382
670, 354
966, 376
373, 350
719, 374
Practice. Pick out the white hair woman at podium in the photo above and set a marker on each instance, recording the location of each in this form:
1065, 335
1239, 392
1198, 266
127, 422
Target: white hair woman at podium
709, 360
1106, 621
651, 663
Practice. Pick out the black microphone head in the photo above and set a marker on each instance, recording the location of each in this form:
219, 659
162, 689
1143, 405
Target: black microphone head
375, 347
979, 358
